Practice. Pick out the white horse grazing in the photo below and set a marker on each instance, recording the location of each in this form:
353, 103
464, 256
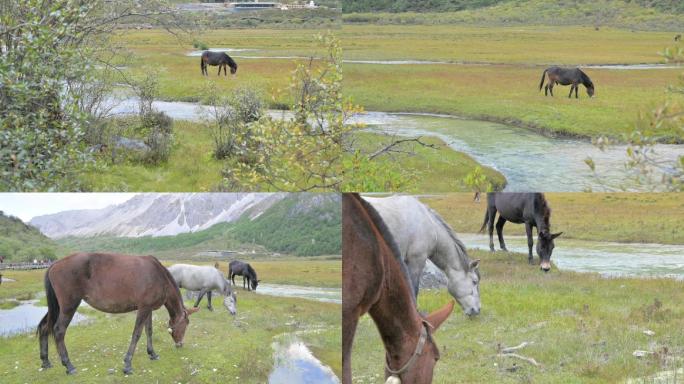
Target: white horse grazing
204, 279
422, 234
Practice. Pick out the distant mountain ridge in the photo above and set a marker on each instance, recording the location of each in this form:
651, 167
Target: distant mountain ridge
158, 214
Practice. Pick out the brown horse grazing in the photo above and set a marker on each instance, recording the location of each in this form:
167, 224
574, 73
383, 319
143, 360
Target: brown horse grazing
114, 284
217, 58
375, 281
566, 76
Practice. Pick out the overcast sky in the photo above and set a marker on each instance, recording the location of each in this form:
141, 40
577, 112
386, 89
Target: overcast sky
27, 205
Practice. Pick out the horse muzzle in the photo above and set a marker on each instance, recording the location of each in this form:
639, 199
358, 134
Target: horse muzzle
179, 344
545, 266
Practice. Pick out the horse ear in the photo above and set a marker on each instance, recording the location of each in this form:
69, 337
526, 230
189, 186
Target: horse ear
474, 264
192, 310
553, 236
436, 318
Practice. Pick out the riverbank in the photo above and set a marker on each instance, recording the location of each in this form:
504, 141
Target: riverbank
581, 327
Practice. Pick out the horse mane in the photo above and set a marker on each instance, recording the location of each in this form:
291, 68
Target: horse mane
460, 247
546, 210
251, 270
389, 239
168, 276
586, 81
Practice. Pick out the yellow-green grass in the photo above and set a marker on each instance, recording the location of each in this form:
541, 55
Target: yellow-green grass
508, 91
180, 77
311, 272
510, 94
26, 284
621, 217
438, 169
583, 328
568, 45
191, 167
240, 348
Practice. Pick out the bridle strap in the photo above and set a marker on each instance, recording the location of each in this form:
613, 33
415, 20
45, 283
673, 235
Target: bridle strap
419, 350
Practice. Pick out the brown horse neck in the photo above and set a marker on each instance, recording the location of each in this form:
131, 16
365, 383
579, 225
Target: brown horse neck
174, 301
399, 323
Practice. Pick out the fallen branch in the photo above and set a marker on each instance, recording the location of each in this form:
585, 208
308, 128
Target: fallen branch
511, 349
523, 358
390, 147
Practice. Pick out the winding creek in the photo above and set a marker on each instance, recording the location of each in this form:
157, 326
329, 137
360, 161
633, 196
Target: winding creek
610, 259
529, 161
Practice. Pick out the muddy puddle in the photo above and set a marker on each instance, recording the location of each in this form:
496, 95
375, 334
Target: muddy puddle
25, 318
607, 258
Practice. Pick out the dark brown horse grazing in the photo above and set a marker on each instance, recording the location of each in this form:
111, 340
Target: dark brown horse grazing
566, 76
375, 281
678, 37
114, 284
529, 208
249, 275
217, 58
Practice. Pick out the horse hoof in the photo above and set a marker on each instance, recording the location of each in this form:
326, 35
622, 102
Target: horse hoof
47, 364
211, 308
71, 371
128, 371
154, 357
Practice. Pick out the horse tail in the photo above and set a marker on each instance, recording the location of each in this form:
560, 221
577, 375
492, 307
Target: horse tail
542, 79
202, 64
47, 324
486, 220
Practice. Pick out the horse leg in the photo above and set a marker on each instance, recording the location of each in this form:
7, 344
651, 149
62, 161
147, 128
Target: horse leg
490, 227
349, 326
61, 325
551, 88
219, 72
576, 88
530, 241
43, 333
148, 332
140, 321
572, 87
209, 299
546, 90
499, 232
200, 296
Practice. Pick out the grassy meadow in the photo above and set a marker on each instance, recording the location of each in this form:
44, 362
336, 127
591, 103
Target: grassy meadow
437, 169
502, 68
618, 217
582, 328
218, 348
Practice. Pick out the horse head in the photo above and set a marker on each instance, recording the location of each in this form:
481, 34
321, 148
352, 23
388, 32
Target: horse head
177, 327
418, 368
230, 299
465, 287
545, 247
255, 283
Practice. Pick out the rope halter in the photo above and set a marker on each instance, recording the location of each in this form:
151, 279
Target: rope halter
394, 375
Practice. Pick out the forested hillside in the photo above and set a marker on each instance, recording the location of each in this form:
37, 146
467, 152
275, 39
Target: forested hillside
22, 242
300, 224
349, 6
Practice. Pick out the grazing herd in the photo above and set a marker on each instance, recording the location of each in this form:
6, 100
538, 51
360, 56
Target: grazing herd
386, 243
116, 283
